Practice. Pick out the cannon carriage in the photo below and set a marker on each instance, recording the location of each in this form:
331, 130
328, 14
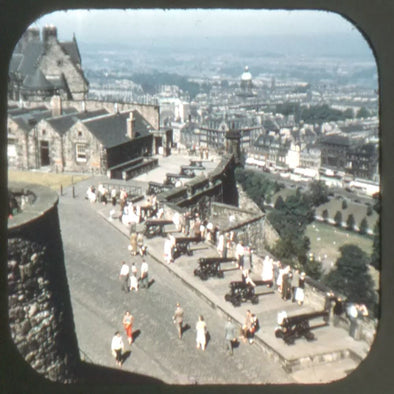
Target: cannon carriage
188, 171
182, 245
153, 227
211, 266
293, 327
241, 292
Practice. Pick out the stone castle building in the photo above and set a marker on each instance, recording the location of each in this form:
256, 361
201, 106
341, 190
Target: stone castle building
41, 67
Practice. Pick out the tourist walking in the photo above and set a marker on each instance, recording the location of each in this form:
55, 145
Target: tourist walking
246, 326
338, 311
144, 275
178, 319
295, 280
133, 283
134, 270
133, 243
267, 271
117, 347
300, 289
201, 329
113, 196
124, 277
229, 335
128, 321
239, 254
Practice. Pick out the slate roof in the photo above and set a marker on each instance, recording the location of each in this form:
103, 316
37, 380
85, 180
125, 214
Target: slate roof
111, 130
71, 48
63, 123
335, 139
15, 111
27, 120
37, 81
30, 58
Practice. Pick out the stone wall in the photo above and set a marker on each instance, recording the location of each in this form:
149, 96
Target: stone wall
56, 62
40, 314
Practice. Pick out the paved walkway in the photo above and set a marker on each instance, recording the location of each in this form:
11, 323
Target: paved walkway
330, 357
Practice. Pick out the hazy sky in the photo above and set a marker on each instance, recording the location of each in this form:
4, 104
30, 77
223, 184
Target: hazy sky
109, 25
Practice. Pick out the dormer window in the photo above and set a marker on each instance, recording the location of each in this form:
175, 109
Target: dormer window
43, 132
79, 133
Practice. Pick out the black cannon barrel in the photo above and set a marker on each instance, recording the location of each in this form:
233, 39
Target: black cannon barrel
213, 260
304, 317
157, 222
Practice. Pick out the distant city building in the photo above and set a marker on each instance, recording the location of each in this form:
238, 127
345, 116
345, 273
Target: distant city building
43, 67
246, 83
352, 155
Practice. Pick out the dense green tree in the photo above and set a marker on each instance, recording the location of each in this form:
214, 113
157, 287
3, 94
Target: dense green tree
350, 222
351, 276
313, 268
318, 193
279, 203
363, 227
362, 113
348, 113
338, 219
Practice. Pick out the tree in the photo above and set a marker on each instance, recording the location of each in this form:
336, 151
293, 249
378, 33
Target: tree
313, 268
363, 227
338, 219
348, 113
325, 215
351, 276
350, 222
362, 113
318, 193
279, 203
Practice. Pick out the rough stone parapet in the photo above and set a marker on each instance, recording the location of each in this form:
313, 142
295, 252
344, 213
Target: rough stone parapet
40, 314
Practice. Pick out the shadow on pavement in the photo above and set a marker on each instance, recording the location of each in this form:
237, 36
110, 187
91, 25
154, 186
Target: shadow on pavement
95, 374
136, 334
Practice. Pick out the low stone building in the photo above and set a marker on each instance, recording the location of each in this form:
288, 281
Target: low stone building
61, 138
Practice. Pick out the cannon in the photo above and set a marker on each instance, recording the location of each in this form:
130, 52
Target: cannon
196, 164
210, 266
241, 292
154, 227
182, 246
293, 327
188, 171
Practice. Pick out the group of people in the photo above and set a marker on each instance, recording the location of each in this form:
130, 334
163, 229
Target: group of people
129, 278
290, 282
137, 245
246, 333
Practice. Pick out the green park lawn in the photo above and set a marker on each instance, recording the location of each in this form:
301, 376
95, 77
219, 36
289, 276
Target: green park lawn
51, 180
327, 239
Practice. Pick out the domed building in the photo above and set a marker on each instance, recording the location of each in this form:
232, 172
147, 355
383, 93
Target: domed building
246, 83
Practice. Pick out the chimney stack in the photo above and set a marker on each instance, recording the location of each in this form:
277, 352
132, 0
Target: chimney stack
56, 105
131, 126
49, 33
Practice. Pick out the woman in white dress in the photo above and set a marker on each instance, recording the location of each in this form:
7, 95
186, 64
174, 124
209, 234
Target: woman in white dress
267, 271
201, 328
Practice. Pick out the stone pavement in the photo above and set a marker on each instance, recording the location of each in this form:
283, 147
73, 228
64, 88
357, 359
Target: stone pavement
330, 357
